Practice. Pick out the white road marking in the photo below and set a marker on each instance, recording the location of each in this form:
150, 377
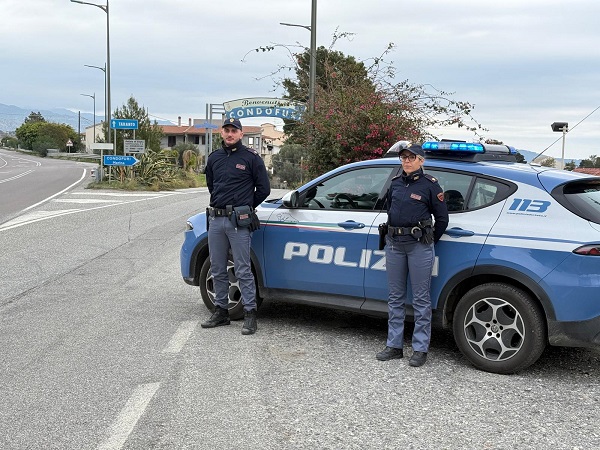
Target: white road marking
125, 422
84, 200
35, 217
57, 194
181, 336
121, 194
16, 176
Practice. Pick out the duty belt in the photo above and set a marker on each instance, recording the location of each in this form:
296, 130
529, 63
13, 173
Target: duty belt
398, 231
217, 212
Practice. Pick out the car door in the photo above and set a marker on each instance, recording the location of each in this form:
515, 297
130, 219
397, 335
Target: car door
471, 215
320, 245
472, 218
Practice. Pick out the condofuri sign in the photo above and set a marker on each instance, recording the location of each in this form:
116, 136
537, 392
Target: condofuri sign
264, 107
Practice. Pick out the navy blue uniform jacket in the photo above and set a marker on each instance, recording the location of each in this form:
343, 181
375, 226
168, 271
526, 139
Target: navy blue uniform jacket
416, 197
236, 176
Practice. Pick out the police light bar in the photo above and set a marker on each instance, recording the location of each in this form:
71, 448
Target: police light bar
468, 148
464, 147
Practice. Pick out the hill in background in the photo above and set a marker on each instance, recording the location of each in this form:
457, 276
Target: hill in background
12, 117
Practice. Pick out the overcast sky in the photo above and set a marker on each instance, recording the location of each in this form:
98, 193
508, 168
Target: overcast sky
523, 63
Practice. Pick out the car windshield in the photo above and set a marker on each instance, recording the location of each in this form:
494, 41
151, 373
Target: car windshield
581, 198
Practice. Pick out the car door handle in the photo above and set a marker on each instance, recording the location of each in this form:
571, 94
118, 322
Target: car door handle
350, 225
459, 232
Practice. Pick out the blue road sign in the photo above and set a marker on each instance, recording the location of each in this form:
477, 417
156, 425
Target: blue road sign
124, 124
118, 160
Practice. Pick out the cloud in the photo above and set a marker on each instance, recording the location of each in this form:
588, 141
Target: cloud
523, 64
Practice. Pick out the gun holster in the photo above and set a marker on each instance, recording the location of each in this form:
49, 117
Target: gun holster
383, 231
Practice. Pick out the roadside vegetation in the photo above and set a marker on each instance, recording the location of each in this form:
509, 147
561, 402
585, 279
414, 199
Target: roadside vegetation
157, 169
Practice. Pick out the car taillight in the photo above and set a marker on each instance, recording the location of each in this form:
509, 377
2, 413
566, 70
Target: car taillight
589, 250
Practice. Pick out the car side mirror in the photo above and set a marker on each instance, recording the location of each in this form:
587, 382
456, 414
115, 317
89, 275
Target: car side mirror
290, 200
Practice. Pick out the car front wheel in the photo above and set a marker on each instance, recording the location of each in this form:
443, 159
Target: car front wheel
207, 290
499, 328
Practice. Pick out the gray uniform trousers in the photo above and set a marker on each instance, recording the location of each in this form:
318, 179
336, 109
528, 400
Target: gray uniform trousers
222, 235
412, 260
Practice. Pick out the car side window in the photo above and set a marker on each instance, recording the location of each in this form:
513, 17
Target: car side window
464, 192
455, 186
486, 192
354, 189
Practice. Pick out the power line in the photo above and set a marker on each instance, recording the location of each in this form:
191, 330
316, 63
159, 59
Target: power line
575, 126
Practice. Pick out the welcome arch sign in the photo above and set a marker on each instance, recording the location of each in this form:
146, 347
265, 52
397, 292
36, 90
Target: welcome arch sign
263, 107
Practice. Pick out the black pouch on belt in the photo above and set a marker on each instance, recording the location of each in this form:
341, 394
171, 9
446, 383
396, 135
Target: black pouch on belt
243, 216
383, 231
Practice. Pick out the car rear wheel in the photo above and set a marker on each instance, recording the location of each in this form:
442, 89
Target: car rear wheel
499, 328
207, 290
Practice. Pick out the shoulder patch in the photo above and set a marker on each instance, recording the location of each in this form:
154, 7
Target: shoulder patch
430, 178
440, 196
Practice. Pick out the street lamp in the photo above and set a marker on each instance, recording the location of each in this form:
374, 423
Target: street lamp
103, 69
107, 70
313, 53
561, 127
94, 97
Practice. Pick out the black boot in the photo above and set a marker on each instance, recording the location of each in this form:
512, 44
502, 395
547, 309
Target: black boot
219, 318
249, 322
418, 359
390, 353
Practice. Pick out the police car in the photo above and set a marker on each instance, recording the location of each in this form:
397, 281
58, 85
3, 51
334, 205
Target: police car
517, 268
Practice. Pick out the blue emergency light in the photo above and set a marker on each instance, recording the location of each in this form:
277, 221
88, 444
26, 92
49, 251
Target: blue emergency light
465, 147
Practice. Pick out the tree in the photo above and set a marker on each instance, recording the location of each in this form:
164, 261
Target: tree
10, 142
570, 165
39, 135
150, 132
548, 162
288, 163
361, 111
589, 163
34, 117
520, 158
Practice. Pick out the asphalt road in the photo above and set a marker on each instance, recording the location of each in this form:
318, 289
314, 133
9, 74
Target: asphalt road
102, 349
27, 180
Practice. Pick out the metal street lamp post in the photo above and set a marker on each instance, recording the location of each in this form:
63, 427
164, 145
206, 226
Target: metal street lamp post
94, 97
107, 70
564, 128
103, 69
313, 53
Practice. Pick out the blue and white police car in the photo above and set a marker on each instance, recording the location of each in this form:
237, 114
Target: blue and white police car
517, 268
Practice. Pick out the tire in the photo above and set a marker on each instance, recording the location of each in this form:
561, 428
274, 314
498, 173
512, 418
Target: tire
499, 328
207, 290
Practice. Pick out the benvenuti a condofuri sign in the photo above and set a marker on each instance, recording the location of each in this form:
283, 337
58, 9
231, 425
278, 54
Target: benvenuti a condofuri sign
264, 107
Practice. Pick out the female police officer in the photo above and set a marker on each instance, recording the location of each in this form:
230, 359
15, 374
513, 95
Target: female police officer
412, 199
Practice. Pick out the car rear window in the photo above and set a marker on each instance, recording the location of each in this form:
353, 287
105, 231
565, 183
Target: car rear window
581, 198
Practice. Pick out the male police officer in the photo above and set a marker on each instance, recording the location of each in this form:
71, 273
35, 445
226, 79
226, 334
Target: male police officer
412, 199
238, 182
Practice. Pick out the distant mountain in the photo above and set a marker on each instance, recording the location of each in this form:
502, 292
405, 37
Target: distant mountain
528, 155
12, 117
